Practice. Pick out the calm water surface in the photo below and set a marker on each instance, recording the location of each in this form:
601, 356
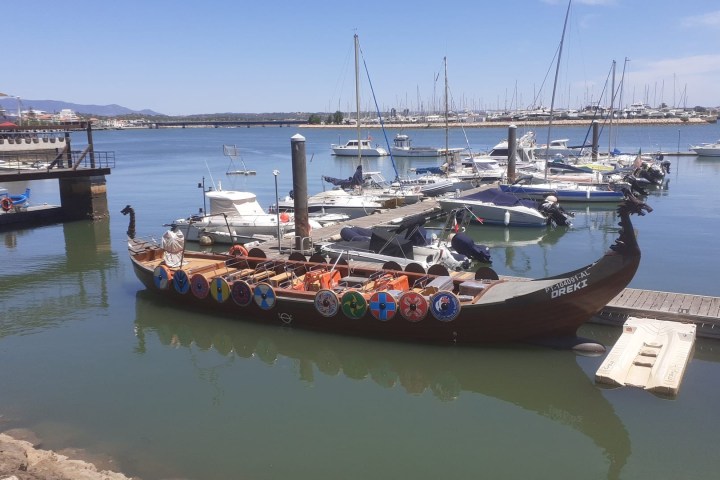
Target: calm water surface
90, 360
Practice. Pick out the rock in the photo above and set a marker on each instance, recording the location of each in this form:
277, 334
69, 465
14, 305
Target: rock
20, 460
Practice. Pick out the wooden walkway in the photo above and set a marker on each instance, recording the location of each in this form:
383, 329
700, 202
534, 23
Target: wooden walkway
703, 311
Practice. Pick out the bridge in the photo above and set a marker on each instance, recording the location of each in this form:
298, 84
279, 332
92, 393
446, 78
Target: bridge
226, 123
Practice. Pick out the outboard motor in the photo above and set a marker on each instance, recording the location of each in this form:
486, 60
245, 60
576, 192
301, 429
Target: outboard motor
465, 245
636, 186
556, 215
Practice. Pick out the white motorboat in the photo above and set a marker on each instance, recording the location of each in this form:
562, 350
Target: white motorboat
564, 191
350, 149
337, 200
374, 183
525, 149
234, 217
494, 207
432, 184
707, 149
402, 147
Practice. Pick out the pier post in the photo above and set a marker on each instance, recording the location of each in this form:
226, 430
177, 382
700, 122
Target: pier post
595, 140
90, 144
300, 192
84, 198
512, 152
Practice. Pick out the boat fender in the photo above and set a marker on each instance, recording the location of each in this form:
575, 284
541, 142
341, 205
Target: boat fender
6, 204
238, 251
284, 217
507, 218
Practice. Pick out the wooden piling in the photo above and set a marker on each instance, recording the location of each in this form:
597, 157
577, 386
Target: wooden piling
300, 192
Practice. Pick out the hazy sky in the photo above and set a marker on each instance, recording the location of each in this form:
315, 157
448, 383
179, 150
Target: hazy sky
185, 57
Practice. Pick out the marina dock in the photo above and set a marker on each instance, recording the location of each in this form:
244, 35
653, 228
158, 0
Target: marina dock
702, 311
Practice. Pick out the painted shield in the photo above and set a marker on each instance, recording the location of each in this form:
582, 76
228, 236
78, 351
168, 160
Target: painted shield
161, 277
264, 296
444, 306
199, 286
327, 303
413, 306
220, 289
353, 304
383, 306
241, 293
181, 282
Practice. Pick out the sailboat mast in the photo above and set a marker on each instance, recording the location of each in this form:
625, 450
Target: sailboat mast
557, 72
357, 100
447, 147
612, 106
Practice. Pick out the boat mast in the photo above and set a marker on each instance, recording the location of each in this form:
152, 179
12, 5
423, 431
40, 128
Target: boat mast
357, 100
612, 106
447, 148
557, 72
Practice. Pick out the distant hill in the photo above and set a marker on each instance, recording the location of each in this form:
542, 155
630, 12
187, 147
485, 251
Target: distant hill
54, 106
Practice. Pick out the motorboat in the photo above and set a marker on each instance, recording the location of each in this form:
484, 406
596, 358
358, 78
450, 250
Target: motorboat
707, 149
493, 206
387, 303
353, 204
366, 149
558, 148
525, 149
402, 147
408, 242
234, 217
432, 182
563, 191
374, 184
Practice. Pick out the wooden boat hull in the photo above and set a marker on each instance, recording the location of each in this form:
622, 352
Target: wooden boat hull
390, 304
557, 309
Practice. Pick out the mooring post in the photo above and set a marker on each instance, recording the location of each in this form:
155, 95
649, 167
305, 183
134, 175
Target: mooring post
300, 192
68, 150
595, 140
90, 145
512, 152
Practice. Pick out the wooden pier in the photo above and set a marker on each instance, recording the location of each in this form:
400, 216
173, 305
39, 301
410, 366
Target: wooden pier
80, 176
703, 311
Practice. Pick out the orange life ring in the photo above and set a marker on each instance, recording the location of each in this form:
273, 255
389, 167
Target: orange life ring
6, 203
238, 250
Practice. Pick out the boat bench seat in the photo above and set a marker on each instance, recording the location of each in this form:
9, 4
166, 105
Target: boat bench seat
276, 280
208, 270
259, 276
352, 282
444, 283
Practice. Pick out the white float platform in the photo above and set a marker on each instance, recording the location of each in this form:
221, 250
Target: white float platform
650, 354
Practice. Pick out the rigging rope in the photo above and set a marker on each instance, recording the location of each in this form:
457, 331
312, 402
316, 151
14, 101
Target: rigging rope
382, 124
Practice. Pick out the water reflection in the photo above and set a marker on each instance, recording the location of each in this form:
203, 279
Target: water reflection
549, 383
59, 277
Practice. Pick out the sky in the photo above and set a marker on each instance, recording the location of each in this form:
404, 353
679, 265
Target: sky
181, 57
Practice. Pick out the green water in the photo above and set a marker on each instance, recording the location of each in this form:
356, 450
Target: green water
92, 361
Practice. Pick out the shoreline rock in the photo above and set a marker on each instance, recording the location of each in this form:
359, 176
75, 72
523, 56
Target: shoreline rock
22, 460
